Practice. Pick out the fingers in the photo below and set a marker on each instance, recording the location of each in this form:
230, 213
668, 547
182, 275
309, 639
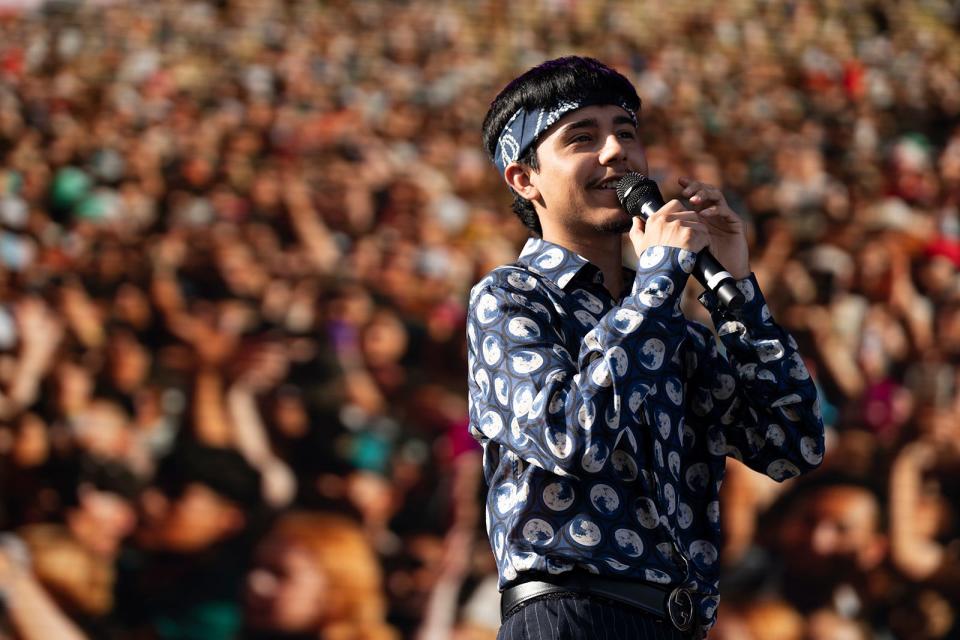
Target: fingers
674, 227
679, 216
670, 207
700, 194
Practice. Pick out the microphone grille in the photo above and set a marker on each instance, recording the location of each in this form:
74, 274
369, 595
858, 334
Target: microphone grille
635, 190
626, 184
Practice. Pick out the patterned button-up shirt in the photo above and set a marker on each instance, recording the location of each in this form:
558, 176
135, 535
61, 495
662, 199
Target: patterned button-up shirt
606, 424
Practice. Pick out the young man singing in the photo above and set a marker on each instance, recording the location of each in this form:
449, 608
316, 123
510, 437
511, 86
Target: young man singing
605, 415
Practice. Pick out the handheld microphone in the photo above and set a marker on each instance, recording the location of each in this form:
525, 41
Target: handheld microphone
640, 196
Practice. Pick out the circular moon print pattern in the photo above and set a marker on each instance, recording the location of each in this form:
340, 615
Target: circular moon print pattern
482, 378
704, 553
782, 470
584, 532
538, 532
604, 499
558, 496
594, 458
811, 451
652, 257
652, 353
659, 289
687, 259
605, 422
629, 542
492, 351
626, 321
656, 576
647, 514
521, 281
624, 464
523, 327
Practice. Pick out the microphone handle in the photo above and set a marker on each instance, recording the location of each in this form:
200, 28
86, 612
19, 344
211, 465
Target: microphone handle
707, 270
711, 274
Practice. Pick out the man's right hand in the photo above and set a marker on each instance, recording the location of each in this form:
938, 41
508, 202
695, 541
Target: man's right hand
670, 226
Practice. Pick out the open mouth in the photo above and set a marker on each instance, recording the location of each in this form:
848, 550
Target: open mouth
607, 184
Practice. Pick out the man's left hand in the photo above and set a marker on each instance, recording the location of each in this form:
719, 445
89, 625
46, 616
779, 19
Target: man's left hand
728, 240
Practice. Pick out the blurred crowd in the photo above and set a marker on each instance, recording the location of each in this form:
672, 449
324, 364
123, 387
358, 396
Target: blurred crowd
236, 240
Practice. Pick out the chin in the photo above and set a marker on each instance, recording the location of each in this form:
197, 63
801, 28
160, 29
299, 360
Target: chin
618, 223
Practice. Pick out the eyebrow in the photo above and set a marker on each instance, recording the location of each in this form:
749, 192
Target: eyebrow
588, 123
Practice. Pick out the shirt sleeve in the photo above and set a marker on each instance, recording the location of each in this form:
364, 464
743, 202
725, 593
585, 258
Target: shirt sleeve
562, 411
760, 398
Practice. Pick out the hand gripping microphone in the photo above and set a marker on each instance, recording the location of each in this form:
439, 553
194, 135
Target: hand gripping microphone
640, 196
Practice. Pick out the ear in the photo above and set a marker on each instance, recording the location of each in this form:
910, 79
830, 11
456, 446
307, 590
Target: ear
517, 177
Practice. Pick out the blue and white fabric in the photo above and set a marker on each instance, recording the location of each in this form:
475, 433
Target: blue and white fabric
606, 424
524, 128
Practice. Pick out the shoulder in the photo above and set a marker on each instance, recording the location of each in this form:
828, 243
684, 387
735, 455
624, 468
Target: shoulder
508, 277
515, 297
510, 286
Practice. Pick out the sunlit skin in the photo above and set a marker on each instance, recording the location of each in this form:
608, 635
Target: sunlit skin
102, 521
580, 158
285, 591
189, 523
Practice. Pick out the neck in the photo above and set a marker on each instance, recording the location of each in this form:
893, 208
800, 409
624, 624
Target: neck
603, 251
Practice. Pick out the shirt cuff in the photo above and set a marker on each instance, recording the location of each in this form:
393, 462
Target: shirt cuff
662, 273
753, 313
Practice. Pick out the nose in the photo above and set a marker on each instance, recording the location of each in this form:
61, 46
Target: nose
613, 150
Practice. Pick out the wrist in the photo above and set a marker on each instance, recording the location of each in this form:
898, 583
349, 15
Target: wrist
662, 272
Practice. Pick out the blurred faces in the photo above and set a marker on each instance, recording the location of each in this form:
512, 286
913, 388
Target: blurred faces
285, 590
833, 534
129, 362
384, 340
827, 625
31, 444
102, 429
102, 521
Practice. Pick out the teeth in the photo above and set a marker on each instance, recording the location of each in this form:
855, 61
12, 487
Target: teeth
611, 185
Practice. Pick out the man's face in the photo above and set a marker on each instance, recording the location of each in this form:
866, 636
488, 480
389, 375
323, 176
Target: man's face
580, 161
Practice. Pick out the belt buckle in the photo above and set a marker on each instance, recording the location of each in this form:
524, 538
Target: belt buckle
680, 608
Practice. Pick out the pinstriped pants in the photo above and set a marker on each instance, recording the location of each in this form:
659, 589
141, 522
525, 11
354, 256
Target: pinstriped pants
580, 617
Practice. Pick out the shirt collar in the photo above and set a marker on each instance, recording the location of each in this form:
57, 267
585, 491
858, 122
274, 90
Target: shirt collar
553, 261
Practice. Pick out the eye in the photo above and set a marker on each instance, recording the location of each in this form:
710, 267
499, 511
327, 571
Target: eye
627, 134
583, 137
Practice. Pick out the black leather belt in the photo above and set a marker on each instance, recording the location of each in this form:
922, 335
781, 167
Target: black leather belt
675, 605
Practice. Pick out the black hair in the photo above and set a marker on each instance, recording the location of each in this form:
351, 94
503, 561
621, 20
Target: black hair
569, 78
71, 473
223, 470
